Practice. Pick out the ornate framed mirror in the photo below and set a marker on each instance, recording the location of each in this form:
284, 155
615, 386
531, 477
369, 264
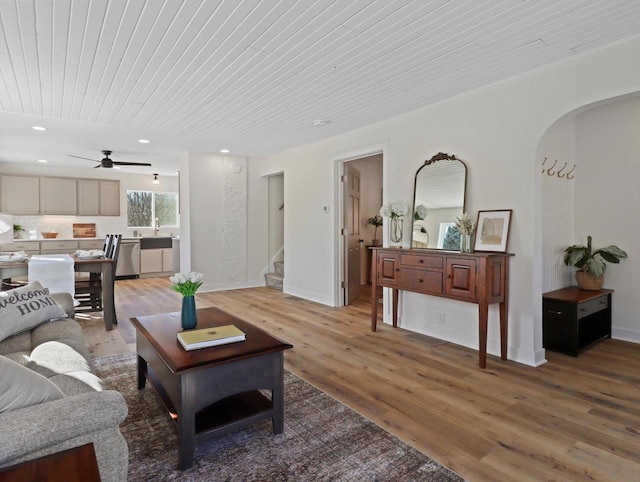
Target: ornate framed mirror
438, 199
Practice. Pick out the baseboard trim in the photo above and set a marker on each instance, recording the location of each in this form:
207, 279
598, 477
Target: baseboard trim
625, 335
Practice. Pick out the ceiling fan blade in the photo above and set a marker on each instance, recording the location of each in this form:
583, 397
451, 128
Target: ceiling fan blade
94, 160
131, 163
99, 165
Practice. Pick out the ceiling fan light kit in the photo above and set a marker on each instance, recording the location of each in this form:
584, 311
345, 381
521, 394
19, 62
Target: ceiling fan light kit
108, 163
155, 181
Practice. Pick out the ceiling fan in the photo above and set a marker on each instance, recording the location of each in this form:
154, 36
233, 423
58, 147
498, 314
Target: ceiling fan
108, 163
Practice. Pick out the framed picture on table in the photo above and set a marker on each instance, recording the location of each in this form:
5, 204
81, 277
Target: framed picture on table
492, 230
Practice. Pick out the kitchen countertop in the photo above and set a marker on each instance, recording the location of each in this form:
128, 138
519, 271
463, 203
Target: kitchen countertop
20, 240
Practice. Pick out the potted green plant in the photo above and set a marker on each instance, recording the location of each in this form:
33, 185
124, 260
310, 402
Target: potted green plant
376, 222
591, 264
17, 229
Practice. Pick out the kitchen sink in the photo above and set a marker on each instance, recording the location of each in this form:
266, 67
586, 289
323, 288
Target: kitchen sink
155, 242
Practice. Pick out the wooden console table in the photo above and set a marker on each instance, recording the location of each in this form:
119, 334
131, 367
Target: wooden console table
481, 278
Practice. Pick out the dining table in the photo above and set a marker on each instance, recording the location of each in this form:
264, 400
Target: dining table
102, 265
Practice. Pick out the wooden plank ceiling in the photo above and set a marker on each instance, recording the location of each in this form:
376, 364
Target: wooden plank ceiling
253, 75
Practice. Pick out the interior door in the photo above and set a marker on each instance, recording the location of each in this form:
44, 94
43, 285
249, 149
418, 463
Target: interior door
351, 233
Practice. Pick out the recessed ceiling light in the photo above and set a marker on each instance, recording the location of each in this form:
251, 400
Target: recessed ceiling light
42, 160
143, 141
39, 128
116, 167
320, 122
224, 151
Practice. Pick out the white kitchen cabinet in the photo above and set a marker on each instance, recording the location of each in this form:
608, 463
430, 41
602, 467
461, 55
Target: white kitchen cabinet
58, 196
29, 247
88, 197
98, 197
167, 260
90, 244
110, 198
58, 247
20, 194
156, 261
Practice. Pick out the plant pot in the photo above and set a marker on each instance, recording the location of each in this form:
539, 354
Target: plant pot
188, 315
395, 231
376, 242
465, 243
586, 281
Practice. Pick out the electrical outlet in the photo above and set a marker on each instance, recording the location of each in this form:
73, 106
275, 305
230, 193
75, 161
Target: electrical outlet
441, 317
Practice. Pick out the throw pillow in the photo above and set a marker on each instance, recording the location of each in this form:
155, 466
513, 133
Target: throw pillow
21, 387
24, 308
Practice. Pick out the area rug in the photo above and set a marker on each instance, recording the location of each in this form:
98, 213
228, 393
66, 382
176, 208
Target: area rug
323, 440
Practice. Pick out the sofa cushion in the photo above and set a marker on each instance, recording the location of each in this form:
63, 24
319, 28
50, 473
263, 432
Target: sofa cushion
19, 342
65, 331
65, 366
21, 387
24, 308
76, 383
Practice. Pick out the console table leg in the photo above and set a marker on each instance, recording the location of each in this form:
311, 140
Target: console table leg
504, 330
395, 308
483, 315
375, 293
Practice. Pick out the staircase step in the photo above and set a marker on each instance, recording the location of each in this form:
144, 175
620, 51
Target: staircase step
274, 280
279, 266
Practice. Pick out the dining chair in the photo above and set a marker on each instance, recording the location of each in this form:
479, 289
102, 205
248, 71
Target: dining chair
89, 291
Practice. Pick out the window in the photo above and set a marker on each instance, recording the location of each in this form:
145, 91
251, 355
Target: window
144, 206
448, 237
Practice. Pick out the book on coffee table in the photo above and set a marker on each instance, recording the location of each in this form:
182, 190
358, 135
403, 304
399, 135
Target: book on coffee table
206, 337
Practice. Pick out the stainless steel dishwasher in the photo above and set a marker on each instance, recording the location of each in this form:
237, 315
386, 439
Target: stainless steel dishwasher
128, 259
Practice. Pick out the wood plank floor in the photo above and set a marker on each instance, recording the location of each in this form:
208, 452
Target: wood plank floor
571, 419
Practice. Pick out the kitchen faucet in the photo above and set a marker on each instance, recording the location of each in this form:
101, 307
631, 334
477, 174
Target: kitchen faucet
156, 227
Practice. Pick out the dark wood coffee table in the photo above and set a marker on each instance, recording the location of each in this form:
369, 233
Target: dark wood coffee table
211, 391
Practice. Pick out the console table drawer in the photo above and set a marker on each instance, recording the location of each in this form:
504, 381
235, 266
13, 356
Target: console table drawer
422, 261
593, 306
422, 281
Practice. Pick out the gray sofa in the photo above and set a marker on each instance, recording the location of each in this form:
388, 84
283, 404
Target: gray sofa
83, 413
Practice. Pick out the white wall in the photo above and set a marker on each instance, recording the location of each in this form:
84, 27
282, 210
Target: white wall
602, 199
224, 230
557, 149
607, 200
258, 224
603, 142
496, 131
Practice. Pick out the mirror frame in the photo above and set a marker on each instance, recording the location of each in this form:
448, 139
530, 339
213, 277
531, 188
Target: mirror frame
440, 156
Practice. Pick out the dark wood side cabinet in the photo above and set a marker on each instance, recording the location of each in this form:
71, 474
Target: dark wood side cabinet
74, 465
574, 319
481, 278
